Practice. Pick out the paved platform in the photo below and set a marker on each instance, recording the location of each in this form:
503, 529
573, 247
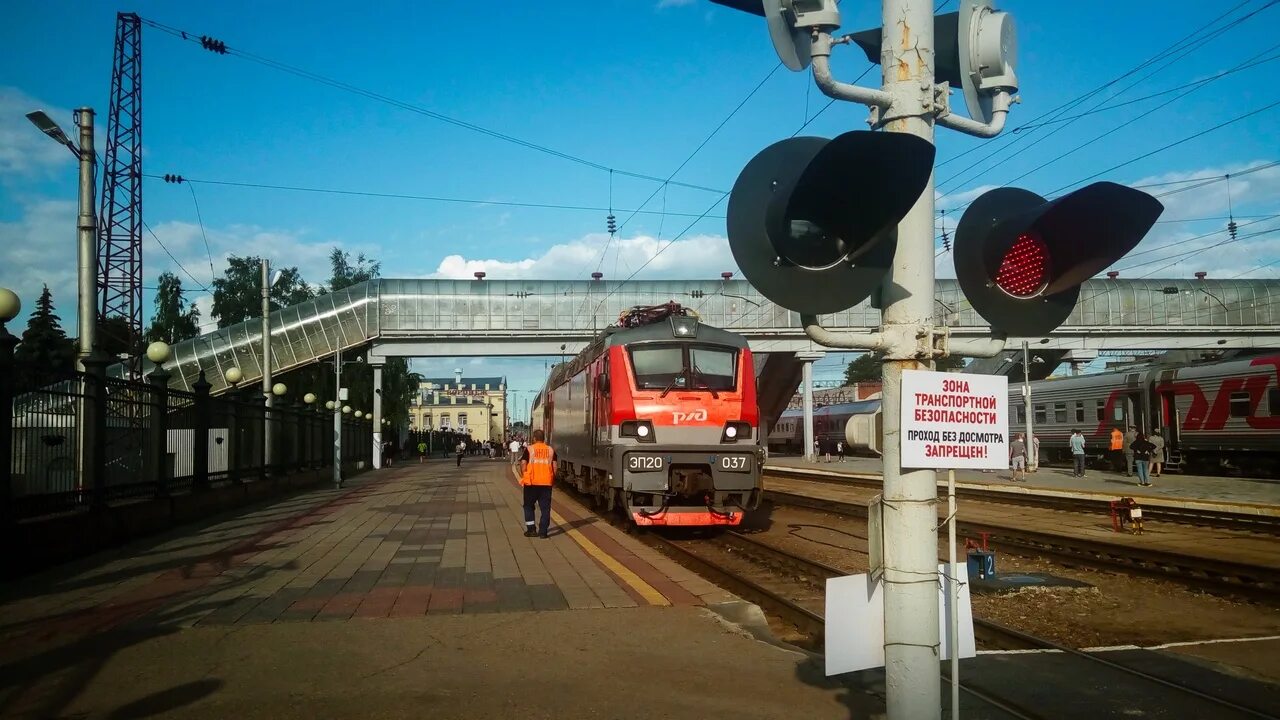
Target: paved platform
411, 593
1223, 493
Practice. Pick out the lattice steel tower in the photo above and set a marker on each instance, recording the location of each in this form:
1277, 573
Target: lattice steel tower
120, 219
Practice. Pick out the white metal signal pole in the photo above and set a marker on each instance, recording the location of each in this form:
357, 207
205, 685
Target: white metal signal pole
910, 496
1033, 458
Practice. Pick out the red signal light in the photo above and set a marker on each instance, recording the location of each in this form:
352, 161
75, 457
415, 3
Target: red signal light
1024, 272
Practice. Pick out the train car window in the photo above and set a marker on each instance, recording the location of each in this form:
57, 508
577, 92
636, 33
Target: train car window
656, 368
713, 368
1273, 401
1060, 412
1079, 412
1101, 409
1019, 414
1118, 412
1239, 404
1041, 415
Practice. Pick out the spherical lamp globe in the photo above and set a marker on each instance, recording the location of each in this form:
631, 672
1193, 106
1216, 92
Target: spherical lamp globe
10, 305
279, 389
158, 352
234, 376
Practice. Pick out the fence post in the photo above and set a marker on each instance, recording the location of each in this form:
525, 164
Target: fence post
8, 342
159, 430
301, 431
232, 407
95, 423
200, 445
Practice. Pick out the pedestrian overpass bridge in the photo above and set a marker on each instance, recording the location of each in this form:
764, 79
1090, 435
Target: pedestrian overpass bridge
444, 318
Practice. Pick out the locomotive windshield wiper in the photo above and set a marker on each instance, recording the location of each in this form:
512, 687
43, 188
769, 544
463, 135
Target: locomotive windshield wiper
670, 385
698, 374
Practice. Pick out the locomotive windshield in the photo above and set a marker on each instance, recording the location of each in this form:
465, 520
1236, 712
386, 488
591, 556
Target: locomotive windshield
684, 367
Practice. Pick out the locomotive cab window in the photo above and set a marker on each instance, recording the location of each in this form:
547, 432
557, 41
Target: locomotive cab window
1239, 404
685, 367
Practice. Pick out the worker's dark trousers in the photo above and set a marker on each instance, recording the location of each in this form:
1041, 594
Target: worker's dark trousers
459, 459
540, 494
1079, 458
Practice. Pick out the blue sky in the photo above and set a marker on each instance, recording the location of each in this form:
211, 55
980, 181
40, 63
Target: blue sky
633, 84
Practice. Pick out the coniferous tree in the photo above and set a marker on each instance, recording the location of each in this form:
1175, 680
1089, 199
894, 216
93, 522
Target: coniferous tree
45, 354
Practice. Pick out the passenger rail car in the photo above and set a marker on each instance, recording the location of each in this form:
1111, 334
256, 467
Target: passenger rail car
857, 424
658, 416
1214, 417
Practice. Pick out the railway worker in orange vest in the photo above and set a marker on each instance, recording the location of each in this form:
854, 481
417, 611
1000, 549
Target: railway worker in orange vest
537, 470
1117, 449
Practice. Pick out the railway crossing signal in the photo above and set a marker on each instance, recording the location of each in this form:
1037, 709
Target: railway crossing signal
1020, 259
813, 222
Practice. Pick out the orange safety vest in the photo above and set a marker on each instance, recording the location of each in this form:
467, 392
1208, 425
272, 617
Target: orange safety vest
1117, 440
539, 469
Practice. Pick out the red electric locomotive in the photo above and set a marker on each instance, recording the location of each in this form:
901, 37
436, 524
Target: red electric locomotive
658, 416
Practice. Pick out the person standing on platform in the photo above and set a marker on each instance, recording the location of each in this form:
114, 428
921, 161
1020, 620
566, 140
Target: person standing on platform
537, 472
1157, 455
422, 452
514, 449
1130, 438
1018, 458
840, 450
1033, 454
1142, 449
1117, 450
1077, 452
460, 451
817, 450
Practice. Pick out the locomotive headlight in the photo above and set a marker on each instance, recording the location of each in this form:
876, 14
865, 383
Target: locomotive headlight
641, 430
735, 431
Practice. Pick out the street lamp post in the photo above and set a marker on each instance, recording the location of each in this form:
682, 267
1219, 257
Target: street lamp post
268, 281
87, 254
10, 306
338, 411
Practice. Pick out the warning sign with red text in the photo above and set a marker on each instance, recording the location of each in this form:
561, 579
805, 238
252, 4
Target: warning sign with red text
954, 420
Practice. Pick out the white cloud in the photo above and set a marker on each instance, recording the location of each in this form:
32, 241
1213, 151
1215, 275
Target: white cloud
40, 247
674, 3
700, 256
23, 148
954, 200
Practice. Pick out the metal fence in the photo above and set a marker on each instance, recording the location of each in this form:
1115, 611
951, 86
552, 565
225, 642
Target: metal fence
92, 440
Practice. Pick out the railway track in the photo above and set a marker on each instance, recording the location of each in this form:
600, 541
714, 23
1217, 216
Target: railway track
811, 572
1201, 573
1201, 517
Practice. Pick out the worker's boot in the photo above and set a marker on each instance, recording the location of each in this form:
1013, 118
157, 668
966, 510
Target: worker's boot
529, 531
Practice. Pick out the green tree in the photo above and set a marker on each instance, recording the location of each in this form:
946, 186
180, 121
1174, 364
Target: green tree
866, 367
237, 295
174, 320
116, 337
345, 274
45, 354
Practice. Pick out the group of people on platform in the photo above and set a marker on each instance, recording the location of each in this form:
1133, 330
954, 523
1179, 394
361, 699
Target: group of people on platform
1131, 453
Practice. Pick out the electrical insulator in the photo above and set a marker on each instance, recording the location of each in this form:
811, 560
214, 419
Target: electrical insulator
213, 45
612, 223
946, 241
176, 179
1231, 229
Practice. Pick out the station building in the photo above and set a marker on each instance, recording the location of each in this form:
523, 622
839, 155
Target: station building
476, 406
